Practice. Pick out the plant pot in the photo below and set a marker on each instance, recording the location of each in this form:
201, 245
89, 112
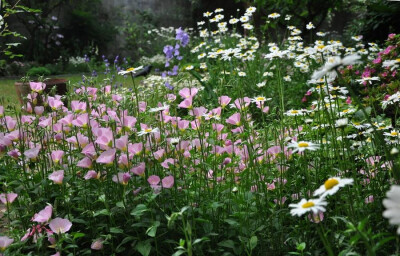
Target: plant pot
23, 89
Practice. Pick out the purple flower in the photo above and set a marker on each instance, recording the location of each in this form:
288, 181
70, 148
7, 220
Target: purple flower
168, 51
169, 86
182, 36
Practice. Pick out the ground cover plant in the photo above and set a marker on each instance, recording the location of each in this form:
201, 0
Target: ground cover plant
239, 147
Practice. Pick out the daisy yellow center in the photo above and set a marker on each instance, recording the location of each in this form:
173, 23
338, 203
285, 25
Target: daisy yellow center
394, 133
329, 184
356, 123
130, 69
294, 111
260, 98
346, 110
308, 205
398, 60
303, 145
321, 46
148, 130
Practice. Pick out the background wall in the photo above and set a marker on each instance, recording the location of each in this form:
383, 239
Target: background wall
167, 12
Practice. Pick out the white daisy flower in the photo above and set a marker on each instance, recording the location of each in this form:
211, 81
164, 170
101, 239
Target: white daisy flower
310, 26
260, 99
294, 112
392, 133
332, 185
392, 205
334, 62
262, 84
342, 122
162, 108
274, 15
368, 79
304, 206
233, 21
244, 19
130, 70
302, 146
147, 131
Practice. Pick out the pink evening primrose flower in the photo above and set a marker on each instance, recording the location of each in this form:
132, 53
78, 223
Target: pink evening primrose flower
168, 182
5, 241
97, 244
56, 156
60, 226
57, 177
153, 180
44, 215
8, 198
37, 86
122, 178
107, 157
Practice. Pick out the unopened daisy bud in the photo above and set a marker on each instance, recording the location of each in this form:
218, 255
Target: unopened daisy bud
394, 151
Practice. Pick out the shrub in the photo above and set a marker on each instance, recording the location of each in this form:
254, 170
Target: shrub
38, 71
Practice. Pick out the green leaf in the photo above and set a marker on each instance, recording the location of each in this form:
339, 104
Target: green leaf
144, 247
151, 231
139, 210
253, 242
116, 230
102, 212
79, 221
232, 222
120, 204
198, 240
301, 247
227, 244
177, 253
125, 240
78, 235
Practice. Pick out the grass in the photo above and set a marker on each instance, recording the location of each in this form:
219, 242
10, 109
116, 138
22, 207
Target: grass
9, 96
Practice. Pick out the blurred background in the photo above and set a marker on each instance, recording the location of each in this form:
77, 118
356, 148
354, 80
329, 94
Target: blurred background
61, 36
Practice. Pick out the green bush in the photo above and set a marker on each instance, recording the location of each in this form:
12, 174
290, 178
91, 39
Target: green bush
39, 71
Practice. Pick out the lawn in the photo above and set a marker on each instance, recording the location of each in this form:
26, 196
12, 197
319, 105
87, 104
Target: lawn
8, 95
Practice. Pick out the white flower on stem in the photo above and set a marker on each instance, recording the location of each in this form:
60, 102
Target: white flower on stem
274, 15
304, 206
310, 26
332, 64
147, 131
130, 71
302, 146
368, 79
392, 205
332, 185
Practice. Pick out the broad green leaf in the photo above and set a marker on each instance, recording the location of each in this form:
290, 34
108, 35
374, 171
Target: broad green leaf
151, 231
101, 212
116, 230
227, 244
253, 242
139, 210
144, 247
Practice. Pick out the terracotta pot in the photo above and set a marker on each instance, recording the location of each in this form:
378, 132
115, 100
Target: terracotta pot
23, 89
